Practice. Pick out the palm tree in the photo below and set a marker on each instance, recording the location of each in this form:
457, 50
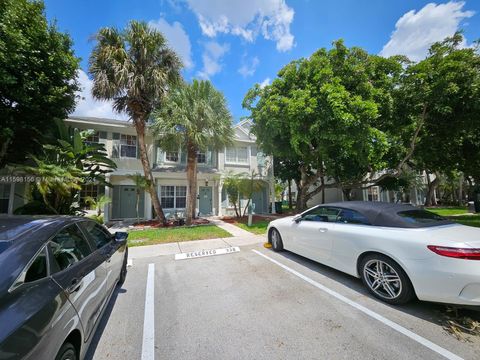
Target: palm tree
141, 183
135, 68
196, 117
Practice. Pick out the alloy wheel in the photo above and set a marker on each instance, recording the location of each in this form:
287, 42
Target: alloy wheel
382, 279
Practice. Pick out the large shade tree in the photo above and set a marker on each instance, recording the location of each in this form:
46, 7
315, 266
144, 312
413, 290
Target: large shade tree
136, 69
195, 117
443, 92
37, 78
332, 115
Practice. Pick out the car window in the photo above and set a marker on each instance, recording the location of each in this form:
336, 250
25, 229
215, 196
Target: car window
422, 217
347, 216
97, 233
38, 268
321, 213
69, 246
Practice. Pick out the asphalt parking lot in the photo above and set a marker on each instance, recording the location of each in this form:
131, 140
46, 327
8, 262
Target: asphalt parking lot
257, 304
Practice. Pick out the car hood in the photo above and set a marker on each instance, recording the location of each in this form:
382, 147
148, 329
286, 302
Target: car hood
284, 220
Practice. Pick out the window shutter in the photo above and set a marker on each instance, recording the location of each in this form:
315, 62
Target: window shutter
115, 145
102, 134
253, 150
160, 155
209, 157
183, 156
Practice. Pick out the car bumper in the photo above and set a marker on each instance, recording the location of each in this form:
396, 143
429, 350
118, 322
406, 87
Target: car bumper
446, 280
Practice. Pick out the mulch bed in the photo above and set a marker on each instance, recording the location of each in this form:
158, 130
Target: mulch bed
255, 218
170, 223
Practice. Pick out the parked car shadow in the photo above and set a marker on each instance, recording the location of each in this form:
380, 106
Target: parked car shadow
103, 323
432, 312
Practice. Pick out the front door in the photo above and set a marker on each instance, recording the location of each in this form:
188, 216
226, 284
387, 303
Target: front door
205, 200
125, 202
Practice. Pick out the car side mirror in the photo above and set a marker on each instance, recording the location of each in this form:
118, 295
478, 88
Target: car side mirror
121, 236
297, 218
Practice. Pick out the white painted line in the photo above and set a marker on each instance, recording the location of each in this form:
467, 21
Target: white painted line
129, 262
148, 344
421, 340
203, 253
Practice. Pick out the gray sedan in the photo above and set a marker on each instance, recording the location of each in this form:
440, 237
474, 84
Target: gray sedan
57, 276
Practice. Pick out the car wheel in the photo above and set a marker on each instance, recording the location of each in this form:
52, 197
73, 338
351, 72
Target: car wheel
276, 240
123, 272
386, 280
67, 352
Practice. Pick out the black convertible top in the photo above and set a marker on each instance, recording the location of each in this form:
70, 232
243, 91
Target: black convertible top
387, 214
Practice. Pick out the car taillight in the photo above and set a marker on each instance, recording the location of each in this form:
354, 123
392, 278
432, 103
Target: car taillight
459, 253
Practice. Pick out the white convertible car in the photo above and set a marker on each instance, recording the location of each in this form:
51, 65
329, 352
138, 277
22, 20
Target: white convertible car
399, 251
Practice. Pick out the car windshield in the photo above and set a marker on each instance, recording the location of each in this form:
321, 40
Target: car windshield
422, 218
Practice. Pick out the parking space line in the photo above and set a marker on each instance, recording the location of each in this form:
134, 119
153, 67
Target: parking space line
148, 344
421, 340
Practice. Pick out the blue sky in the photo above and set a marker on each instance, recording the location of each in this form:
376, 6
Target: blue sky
237, 43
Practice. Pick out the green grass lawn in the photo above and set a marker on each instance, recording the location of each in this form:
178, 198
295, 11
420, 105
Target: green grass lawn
162, 236
258, 228
448, 211
470, 220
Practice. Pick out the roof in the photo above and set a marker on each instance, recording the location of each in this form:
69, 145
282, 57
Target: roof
99, 121
384, 213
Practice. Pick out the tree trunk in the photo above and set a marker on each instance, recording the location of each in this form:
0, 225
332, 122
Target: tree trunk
430, 197
460, 190
192, 182
301, 198
140, 128
290, 205
322, 179
137, 205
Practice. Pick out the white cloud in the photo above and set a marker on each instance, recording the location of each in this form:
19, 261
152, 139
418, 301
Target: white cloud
249, 68
265, 82
416, 31
88, 106
177, 39
212, 56
247, 19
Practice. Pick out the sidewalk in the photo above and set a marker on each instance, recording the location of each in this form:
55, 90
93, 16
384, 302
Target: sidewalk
240, 238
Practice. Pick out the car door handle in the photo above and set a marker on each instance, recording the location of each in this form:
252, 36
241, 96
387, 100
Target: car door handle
323, 229
74, 287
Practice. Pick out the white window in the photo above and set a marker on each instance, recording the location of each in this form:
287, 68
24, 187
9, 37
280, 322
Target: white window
173, 197
236, 155
201, 157
172, 156
373, 193
97, 137
128, 146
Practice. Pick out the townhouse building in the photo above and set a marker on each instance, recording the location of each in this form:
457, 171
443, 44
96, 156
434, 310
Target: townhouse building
169, 172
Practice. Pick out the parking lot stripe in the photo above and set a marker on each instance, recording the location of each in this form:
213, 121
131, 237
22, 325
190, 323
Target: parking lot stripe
148, 344
421, 340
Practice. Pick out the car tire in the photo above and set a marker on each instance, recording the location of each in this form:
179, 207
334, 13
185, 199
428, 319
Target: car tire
276, 240
123, 272
67, 352
386, 280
